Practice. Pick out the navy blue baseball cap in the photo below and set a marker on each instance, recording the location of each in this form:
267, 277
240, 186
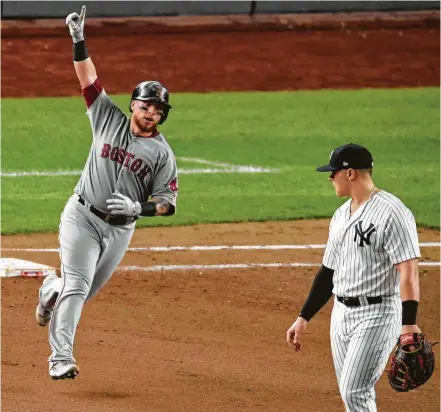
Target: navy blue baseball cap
348, 156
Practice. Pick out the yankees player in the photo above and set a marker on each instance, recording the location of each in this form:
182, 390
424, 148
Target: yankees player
370, 264
128, 162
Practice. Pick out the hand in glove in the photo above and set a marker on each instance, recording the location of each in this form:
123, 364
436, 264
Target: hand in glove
76, 25
123, 205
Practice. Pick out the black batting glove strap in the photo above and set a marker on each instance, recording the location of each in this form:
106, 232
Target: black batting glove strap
148, 209
320, 293
80, 52
410, 309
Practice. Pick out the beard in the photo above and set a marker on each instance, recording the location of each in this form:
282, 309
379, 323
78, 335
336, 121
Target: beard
144, 126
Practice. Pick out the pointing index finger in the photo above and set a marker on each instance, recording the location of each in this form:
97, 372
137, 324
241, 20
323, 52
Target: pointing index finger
83, 13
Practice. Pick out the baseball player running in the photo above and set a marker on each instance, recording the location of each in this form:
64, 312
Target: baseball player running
371, 266
129, 162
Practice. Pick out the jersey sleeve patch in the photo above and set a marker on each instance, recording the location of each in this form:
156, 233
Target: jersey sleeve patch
173, 185
92, 92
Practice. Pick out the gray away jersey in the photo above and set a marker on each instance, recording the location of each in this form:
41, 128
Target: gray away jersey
362, 249
119, 160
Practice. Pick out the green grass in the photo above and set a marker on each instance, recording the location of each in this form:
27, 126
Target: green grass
291, 131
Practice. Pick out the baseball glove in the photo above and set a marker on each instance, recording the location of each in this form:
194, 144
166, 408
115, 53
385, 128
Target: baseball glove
412, 363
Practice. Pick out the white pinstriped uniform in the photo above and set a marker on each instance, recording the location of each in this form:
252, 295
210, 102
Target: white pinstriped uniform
362, 250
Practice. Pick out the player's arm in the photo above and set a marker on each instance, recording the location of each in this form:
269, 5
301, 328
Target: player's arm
410, 294
84, 67
402, 245
155, 207
158, 206
123, 205
319, 295
163, 198
164, 191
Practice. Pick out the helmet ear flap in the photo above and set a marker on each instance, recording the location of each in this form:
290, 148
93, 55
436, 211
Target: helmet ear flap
164, 116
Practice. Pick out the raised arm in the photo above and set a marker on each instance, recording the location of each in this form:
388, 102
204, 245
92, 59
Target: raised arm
83, 64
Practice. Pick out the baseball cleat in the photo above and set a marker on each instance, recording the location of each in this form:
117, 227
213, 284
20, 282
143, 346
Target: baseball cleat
43, 315
63, 370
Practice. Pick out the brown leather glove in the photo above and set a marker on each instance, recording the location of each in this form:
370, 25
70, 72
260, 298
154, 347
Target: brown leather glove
413, 362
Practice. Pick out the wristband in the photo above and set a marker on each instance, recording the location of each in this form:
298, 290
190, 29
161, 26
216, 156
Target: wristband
148, 209
410, 308
80, 51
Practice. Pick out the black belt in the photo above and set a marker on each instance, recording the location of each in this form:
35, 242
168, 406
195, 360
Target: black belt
356, 301
114, 220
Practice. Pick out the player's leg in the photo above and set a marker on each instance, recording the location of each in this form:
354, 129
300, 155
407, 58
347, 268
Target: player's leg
339, 343
79, 251
47, 296
116, 241
373, 336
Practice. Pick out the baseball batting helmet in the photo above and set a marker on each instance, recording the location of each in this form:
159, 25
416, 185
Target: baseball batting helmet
152, 91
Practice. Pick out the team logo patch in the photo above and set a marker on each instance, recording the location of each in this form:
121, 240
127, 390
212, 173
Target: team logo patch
363, 236
173, 185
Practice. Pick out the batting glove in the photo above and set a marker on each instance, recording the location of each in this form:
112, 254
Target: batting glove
76, 25
123, 205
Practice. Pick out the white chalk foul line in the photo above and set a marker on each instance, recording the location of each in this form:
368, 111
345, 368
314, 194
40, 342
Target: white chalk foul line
226, 168
204, 161
223, 247
222, 266
205, 248
42, 173
235, 169
158, 268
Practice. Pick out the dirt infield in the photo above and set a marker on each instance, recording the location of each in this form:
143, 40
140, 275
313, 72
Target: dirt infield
205, 340
210, 339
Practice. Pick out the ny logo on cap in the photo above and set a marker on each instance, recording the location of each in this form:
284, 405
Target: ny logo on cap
364, 235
